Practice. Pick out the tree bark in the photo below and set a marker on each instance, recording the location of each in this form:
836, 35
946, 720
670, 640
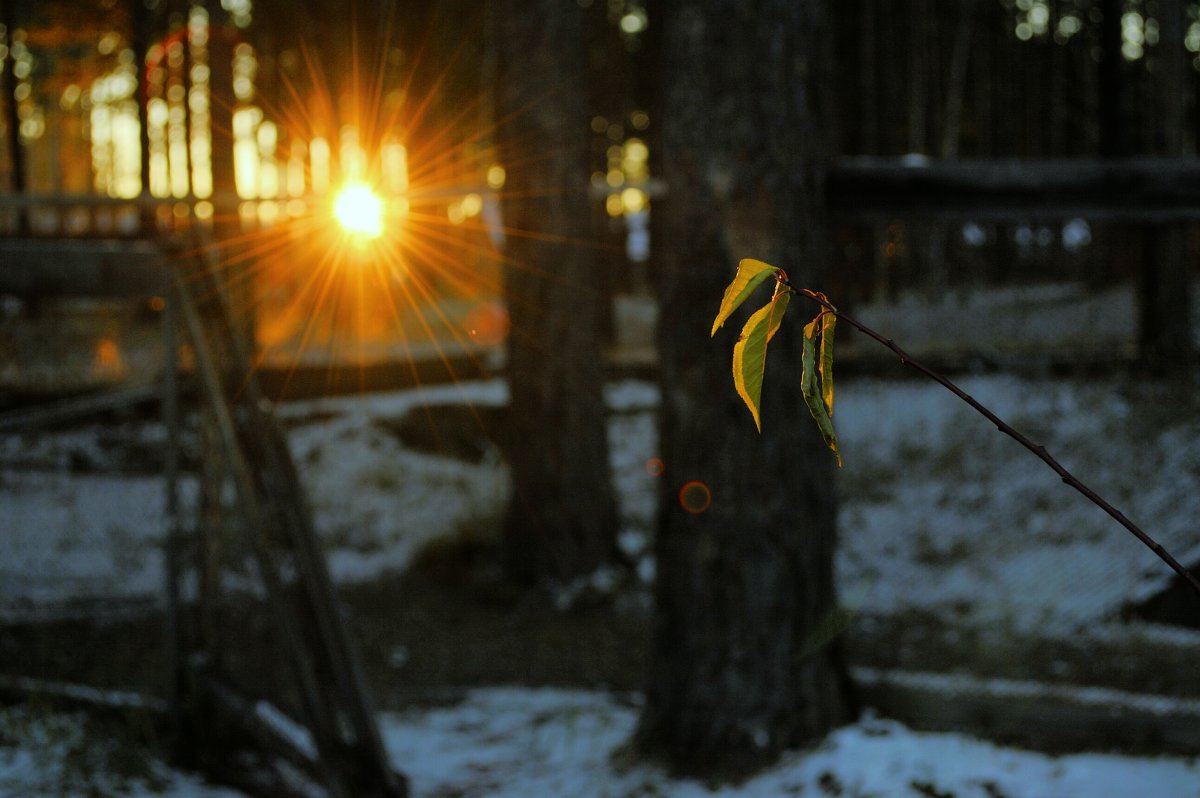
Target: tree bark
12, 121
1115, 138
1164, 307
740, 668
562, 521
957, 89
143, 27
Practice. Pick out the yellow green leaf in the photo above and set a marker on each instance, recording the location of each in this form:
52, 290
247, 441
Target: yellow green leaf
828, 321
779, 303
810, 387
750, 351
808, 369
750, 274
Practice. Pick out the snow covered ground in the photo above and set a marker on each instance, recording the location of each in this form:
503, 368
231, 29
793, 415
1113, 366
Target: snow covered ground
529, 743
47, 755
515, 742
942, 512
939, 513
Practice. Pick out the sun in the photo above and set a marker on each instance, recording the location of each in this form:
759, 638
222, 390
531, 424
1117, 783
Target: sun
359, 210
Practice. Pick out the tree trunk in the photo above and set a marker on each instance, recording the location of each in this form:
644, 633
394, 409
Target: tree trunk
957, 89
562, 521
143, 27
868, 87
1165, 328
12, 120
919, 73
740, 666
1115, 138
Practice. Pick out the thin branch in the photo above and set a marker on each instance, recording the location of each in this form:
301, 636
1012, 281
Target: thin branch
1040, 451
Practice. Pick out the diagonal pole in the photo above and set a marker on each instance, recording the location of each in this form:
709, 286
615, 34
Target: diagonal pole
1038, 450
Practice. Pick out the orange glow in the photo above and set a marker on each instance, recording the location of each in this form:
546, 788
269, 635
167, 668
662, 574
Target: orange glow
108, 360
359, 210
487, 323
365, 219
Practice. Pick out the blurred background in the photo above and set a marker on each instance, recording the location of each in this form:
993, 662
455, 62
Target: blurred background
323, 327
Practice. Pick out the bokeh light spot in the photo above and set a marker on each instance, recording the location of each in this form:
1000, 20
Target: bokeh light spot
496, 176
695, 497
655, 467
633, 200
487, 323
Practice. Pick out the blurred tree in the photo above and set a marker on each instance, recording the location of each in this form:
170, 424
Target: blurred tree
744, 663
1164, 306
562, 522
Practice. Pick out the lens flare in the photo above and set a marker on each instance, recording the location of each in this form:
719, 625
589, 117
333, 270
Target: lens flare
487, 323
359, 210
695, 497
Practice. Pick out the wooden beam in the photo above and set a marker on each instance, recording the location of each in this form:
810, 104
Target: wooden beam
36, 200
76, 409
94, 268
70, 696
1056, 718
1152, 189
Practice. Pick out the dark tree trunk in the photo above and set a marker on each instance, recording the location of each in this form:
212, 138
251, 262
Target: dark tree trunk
1165, 330
1115, 138
562, 522
957, 85
868, 87
143, 26
8, 87
918, 83
985, 88
740, 669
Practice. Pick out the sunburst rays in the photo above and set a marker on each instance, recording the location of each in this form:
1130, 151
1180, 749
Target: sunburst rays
424, 283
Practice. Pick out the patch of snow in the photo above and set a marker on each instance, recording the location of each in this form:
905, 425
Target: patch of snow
376, 503
78, 537
940, 512
956, 684
74, 540
626, 396
52, 754
1145, 632
521, 742
299, 737
122, 699
529, 742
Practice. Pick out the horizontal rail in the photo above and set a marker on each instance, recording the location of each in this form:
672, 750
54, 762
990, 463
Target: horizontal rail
1149, 189
11, 201
871, 187
74, 267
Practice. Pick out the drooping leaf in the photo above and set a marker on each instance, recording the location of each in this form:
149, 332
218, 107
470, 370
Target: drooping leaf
750, 274
808, 361
828, 322
750, 351
810, 387
779, 300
